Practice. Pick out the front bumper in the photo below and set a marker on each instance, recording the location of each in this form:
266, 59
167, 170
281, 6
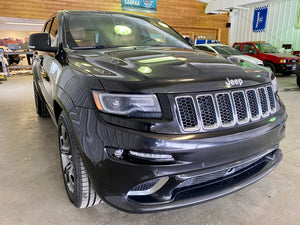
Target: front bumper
202, 166
201, 187
286, 68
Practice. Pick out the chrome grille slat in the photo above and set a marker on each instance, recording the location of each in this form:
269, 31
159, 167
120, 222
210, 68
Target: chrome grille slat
240, 106
188, 115
225, 109
263, 101
271, 98
253, 104
207, 111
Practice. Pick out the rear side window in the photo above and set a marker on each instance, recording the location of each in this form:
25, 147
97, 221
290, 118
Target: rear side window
247, 47
237, 46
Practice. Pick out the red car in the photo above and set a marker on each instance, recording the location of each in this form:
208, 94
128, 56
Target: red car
277, 62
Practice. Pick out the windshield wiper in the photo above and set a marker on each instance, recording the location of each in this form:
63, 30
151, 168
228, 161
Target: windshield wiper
93, 47
106, 46
83, 47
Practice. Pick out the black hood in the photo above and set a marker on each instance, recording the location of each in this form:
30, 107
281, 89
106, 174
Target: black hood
165, 70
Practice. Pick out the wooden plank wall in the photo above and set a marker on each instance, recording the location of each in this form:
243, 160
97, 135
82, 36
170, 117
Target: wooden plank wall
186, 16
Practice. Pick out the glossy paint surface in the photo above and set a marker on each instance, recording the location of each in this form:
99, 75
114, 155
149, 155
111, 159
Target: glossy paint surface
166, 72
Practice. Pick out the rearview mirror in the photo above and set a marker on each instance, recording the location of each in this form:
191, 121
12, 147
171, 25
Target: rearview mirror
41, 42
251, 52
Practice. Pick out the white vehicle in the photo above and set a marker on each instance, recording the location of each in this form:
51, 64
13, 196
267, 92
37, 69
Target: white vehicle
227, 51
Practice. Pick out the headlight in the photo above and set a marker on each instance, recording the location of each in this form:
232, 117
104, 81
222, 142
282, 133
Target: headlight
274, 84
282, 61
133, 105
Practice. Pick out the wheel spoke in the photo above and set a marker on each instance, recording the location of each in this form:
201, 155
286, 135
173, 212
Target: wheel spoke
66, 158
69, 175
65, 150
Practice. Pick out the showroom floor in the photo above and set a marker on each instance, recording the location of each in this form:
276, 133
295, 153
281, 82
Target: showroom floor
32, 191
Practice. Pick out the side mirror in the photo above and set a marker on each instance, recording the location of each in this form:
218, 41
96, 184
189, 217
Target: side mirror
251, 52
41, 42
189, 40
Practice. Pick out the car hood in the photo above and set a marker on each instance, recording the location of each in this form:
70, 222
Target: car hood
164, 70
282, 55
249, 59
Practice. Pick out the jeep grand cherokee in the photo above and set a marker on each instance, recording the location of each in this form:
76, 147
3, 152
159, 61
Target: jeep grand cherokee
145, 121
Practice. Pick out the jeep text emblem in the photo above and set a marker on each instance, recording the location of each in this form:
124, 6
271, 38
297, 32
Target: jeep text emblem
231, 82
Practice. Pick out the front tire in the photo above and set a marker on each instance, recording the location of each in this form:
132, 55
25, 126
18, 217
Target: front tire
77, 183
298, 81
270, 65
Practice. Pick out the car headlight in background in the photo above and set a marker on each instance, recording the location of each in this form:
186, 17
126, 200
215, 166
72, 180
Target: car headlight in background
133, 105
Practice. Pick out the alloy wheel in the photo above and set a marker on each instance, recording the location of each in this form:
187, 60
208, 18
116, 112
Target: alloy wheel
66, 158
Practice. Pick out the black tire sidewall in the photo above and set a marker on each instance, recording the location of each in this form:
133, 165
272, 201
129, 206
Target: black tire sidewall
298, 81
74, 197
37, 101
271, 65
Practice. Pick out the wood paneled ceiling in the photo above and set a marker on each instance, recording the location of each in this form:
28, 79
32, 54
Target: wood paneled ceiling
184, 15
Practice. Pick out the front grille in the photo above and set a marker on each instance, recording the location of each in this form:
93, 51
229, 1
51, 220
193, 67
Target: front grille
207, 111
292, 60
240, 106
253, 104
271, 99
201, 179
188, 116
225, 109
263, 101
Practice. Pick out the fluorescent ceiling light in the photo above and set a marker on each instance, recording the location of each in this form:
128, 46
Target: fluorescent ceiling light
27, 24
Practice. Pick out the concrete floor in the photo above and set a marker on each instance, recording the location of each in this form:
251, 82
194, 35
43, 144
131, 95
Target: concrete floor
32, 190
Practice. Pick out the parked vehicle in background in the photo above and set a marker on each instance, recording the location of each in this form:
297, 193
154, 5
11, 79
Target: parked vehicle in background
298, 76
227, 51
145, 121
277, 62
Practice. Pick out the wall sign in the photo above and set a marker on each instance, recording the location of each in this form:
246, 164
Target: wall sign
148, 6
297, 22
260, 19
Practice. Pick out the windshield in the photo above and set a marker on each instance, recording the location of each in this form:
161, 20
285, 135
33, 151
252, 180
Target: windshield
226, 50
85, 31
266, 48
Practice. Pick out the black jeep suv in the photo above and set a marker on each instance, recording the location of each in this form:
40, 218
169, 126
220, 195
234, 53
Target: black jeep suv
145, 121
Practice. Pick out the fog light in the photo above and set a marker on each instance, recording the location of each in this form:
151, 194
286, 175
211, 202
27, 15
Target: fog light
152, 156
118, 153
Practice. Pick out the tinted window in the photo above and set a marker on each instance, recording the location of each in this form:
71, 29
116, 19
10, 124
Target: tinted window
266, 48
247, 47
117, 30
237, 46
226, 50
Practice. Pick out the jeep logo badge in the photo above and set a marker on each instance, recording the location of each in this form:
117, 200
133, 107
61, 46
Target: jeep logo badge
232, 82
